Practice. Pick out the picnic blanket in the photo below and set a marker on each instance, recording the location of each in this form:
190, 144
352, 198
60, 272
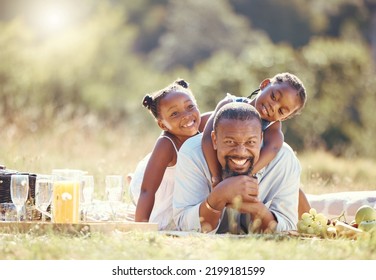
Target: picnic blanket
333, 204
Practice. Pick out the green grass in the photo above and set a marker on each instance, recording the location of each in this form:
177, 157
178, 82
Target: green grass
102, 150
157, 245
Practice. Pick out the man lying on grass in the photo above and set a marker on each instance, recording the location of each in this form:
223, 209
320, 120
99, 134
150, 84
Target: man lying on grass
243, 202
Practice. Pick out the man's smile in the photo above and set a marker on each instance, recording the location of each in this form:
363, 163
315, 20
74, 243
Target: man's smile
239, 162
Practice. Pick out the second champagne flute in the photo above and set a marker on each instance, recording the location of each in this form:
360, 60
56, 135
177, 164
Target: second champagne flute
114, 192
43, 193
114, 188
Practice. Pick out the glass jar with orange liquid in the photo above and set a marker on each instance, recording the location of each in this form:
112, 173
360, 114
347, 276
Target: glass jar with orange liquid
66, 195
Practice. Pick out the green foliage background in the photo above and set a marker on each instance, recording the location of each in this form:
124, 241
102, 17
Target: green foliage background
110, 53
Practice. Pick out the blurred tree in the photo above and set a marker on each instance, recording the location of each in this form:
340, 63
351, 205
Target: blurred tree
283, 21
216, 76
15, 69
196, 29
148, 18
87, 67
297, 21
339, 74
10, 9
371, 6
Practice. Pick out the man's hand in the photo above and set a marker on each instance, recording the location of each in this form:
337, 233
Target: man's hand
241, 187
241, 194
262, 219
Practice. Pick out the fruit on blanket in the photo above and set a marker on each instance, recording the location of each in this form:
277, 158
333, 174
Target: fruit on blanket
365, 213
354, 224
346, 230
313, 223
331, 231
317, 224
367, 226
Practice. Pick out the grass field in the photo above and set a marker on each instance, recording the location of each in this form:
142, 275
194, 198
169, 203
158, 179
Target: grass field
102, 150
155, 246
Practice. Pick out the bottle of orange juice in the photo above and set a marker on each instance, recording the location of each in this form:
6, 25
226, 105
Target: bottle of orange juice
66, 195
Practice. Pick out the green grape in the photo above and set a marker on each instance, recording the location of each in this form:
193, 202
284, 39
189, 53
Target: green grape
321, 218
307, 221
301, 226
314, 225
319, 229
313, 211
306, 216
310, 230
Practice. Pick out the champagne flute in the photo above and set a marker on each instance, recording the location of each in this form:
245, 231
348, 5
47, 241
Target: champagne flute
114, 188
114, 191
19, 190
43, 194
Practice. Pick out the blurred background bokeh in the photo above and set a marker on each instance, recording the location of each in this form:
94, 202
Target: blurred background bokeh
81, 68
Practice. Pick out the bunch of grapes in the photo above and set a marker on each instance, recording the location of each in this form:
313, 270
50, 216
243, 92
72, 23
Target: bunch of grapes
313, 223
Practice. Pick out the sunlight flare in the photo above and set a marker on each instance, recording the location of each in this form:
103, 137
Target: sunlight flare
52, 18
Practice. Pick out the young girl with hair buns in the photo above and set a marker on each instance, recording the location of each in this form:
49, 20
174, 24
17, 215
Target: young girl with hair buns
176, 113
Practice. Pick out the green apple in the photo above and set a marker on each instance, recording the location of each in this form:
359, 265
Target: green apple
367, 225
365, 213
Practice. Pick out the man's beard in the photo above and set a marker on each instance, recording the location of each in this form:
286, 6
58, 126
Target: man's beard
227, 172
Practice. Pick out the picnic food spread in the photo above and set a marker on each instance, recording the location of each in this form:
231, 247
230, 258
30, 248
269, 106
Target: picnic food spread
317, 224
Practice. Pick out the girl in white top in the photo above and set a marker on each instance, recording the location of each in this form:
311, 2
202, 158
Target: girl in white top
176, 113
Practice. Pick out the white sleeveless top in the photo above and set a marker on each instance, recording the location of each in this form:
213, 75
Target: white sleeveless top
162, 210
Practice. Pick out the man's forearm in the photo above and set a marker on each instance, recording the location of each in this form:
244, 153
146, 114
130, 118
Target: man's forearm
210, 212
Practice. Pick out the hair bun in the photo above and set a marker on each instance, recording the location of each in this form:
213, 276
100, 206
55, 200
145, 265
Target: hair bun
182, 83
148, 101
